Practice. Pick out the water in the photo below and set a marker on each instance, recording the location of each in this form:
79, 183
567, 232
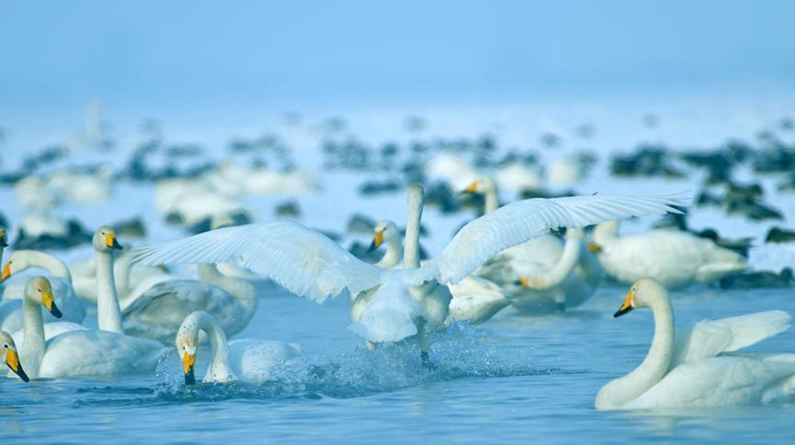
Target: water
514, 379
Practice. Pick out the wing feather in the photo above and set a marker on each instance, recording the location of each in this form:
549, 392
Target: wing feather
302, 260
521, 221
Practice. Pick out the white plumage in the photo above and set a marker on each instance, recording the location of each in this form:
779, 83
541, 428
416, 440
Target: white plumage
699, 367
309, 264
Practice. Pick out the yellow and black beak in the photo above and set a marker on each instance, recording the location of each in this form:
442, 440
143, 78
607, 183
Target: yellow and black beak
378, 239
627, 306
594, 248
12, 361
110, 241
188, 362
48, 300
524, 282
6, 272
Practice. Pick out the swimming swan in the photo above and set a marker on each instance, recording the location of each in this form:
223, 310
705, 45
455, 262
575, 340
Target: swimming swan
246, 359
680, 259
404, 302
71, 306
79, 353
695, 369
569, 282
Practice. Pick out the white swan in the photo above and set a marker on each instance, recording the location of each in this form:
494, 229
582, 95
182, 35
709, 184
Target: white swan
473, 298
126, 279
696, 369
402, 302
71, 306
79, 353
675, 259
569, 282
160, 310
246, 359
10, 356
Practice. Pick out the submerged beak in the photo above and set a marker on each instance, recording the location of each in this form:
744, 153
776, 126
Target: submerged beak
12, 360
188, 361
627, 306
378, 239
594, 248
110, 241
6, 272
48, 301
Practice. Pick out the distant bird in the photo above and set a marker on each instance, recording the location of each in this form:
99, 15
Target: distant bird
673, 258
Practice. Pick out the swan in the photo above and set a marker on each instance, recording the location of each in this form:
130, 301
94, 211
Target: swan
397, 303
696, 368
79, 353
11, 357
569, 282
11, 314
473, 298
675, 259
533, 257
246, 359
160, 310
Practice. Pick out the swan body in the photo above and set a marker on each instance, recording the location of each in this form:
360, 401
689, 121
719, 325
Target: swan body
160, 310
474, 298
246, 359
71, 306
82, 352
411, 299
568, 283
699, 367
675, 259
126, 279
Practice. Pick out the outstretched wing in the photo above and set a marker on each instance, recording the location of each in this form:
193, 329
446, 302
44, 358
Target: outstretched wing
302, 260
520, 221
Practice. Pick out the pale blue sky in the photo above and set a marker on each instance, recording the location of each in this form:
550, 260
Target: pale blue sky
294, 54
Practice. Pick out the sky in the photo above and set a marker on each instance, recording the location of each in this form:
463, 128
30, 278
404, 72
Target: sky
289, 55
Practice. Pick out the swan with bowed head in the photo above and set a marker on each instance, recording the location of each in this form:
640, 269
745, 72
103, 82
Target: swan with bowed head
699, 366
397, 304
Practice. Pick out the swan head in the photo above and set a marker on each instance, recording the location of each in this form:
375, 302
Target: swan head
3, 238
384, 231
17, 262
40, 291
10, 356
187, 341
642, 294
483, 184
104, 240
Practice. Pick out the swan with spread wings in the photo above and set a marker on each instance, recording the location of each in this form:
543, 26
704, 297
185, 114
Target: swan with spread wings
394, 304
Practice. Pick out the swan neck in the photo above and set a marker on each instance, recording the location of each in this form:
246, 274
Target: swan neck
411, 251
241, 290
393, 255
219, 365
33, 347
108, 310
51, 264
567, 262
654, 366
492, 199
